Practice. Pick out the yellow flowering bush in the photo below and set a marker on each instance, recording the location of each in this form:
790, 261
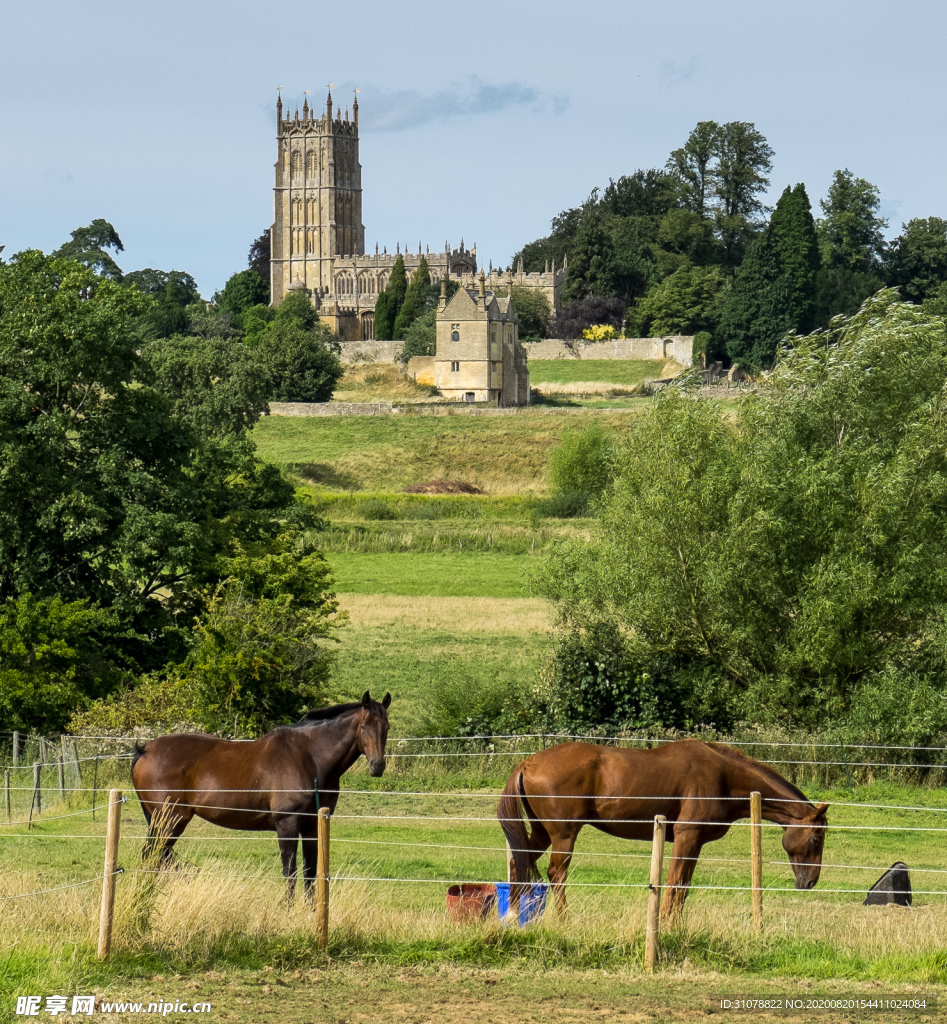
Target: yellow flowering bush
600, 332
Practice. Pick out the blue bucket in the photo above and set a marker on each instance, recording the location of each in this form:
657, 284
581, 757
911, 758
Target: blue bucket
532, 902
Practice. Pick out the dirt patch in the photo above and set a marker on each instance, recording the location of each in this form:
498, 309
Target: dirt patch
443, 487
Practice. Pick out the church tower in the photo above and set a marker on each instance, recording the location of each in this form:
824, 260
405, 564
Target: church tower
317, 198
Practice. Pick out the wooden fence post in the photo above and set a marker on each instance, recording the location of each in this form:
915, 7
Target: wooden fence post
112, 836
16, 747
37, 804
654, 894
756, 858
322, 879
6, 786
95, 784
61, 768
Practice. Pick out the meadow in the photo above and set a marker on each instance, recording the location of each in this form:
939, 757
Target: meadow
436, 592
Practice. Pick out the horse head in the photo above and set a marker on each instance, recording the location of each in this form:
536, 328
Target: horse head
373, 732
803, 841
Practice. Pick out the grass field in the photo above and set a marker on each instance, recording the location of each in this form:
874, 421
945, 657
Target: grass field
439, 616
220, 919
503, 455
620, 372
478, 574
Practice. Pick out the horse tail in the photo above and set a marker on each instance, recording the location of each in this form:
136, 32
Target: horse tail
510, 810
139, 752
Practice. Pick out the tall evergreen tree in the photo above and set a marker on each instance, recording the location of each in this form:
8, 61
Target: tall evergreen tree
794, 229
413, 305
773, 291
592, 259
388, 304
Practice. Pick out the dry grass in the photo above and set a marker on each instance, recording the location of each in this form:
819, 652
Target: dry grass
191, 911
379, 382
458, 614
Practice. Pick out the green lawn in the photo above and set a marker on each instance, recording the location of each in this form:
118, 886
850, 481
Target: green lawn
620, 372
478, 574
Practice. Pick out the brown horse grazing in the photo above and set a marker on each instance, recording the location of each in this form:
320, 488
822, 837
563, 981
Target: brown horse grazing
279, 781
620, 791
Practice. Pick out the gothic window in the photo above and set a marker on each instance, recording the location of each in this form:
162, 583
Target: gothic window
311, 242
312, 211
455, 332
297, 209
296, 162
312, 165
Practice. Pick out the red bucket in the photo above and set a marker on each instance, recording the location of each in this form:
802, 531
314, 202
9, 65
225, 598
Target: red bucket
471, 901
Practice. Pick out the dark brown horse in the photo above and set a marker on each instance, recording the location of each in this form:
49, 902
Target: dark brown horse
278, 782
620, 791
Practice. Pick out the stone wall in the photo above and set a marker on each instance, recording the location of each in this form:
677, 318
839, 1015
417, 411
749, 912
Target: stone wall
422, 369
370, 351
330, 408
676, 347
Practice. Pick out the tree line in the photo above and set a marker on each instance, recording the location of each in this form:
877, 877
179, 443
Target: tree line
689, 248
152, 568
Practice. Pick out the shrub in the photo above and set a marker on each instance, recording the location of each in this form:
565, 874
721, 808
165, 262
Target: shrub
581, 463
702, 342
596, 679
575, 317
601, 332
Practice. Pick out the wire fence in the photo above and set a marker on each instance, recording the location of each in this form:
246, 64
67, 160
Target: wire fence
68, 777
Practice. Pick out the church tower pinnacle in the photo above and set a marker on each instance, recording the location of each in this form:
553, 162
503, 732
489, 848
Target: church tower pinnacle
317, 198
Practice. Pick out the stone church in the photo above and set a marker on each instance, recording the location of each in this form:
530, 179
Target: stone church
318, 239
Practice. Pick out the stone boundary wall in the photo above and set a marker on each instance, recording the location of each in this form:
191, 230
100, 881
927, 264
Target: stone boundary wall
370, 351
677, 347
428, 409
330, 408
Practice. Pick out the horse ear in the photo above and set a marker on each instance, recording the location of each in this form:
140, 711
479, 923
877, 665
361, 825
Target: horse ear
386, 701
366, 699
821, 809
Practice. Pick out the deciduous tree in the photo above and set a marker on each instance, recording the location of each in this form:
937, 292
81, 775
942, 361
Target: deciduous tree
88, 246
800, 559
850, 229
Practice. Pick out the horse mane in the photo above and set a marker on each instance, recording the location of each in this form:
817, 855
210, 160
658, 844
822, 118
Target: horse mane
732, 754
326, 714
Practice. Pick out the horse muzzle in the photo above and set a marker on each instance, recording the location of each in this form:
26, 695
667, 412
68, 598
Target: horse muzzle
376, 767
807, 883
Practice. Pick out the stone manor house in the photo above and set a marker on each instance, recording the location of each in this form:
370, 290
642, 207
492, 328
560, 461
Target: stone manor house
318, 239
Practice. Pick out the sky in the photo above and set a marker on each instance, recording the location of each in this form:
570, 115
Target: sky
477, 120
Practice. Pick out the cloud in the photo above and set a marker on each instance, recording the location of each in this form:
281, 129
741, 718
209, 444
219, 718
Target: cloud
382, 110
672, 73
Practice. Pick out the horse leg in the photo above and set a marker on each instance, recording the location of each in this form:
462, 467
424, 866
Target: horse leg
287, 835
684, 854
559, 860
310, 845
165, 826
535, 846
